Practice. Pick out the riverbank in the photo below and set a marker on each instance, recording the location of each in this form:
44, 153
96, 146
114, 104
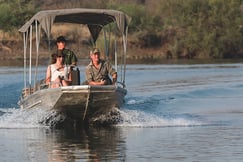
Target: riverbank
11, 54
85, 61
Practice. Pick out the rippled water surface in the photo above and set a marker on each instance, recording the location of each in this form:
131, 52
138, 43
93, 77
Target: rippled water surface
171, 113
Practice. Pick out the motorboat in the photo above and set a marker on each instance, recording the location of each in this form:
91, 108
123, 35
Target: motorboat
79, 103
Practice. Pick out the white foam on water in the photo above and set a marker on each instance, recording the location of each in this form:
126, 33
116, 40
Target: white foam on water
135, 118
31, 118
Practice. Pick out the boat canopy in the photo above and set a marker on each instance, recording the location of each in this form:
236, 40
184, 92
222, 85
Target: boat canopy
94, 18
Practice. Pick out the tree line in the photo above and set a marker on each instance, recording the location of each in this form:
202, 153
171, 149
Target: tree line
188, 28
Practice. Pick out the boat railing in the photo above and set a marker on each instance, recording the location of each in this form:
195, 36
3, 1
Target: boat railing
121, 83
43, 86
27, 91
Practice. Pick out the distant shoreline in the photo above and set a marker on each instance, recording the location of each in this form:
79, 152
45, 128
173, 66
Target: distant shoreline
20, 63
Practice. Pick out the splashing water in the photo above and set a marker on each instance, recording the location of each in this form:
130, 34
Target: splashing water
135, 118
31, 118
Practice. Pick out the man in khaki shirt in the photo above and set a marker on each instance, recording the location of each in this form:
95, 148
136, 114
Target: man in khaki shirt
98, 71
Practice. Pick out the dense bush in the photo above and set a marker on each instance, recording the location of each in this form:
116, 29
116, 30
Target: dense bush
13, 13
211, 28
196, 28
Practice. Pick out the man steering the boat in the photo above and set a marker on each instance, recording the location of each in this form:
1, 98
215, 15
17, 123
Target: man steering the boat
98, 71
69, 56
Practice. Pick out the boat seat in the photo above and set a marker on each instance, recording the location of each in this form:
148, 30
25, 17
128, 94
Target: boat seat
75, 76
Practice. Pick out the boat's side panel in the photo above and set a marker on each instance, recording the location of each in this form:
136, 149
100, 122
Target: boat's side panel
103, 102
45, 98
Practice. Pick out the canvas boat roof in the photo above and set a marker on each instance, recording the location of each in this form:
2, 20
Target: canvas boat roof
94, 18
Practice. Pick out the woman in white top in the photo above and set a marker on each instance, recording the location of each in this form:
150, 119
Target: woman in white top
58, 74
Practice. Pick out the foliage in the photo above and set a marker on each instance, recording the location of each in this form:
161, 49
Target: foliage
195, 28
13, 13
144, 25
211, 27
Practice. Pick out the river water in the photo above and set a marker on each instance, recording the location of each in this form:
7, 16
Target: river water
171, 113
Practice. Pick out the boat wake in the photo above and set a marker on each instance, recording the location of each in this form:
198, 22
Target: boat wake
37, 118
135, 118
32, 118
17, 118
153, 112
111, 118
124, 117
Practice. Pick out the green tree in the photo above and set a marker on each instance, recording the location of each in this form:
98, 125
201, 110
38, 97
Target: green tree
13, 13
145, 25
206, 27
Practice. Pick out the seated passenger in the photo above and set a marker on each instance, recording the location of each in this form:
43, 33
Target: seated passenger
98, 71
57, 73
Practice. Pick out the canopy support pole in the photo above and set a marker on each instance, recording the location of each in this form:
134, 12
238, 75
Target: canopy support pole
30, 59
25, 37
124, 36
37, 35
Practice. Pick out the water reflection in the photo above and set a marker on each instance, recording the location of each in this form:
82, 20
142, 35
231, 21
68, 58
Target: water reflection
94, 144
